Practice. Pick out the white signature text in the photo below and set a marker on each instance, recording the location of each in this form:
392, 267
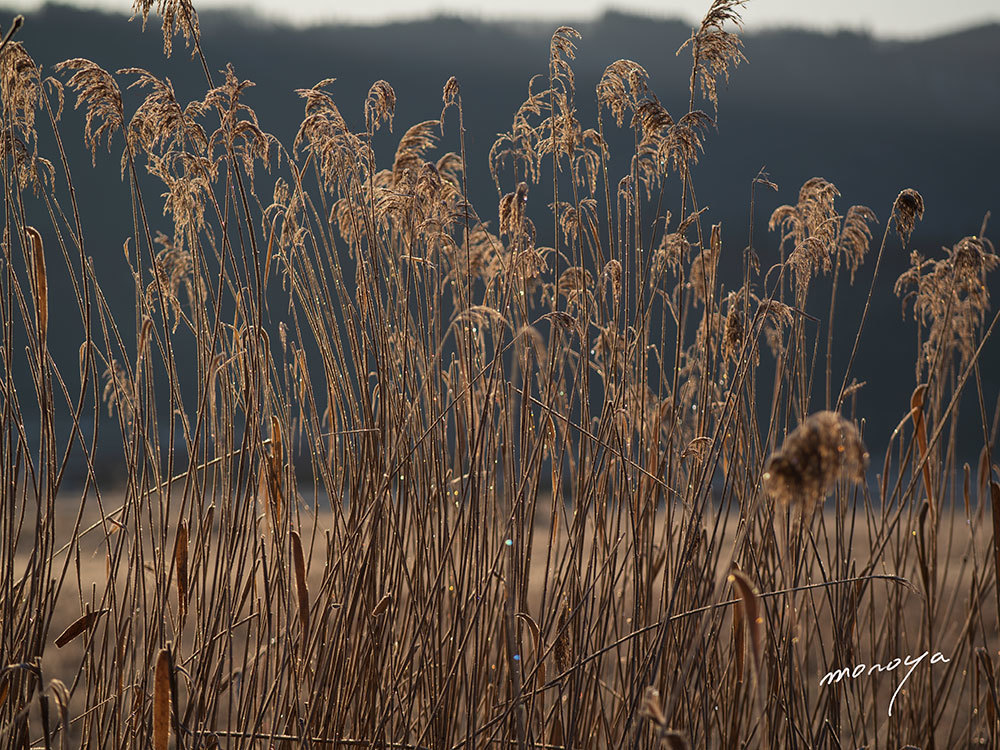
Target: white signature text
837, 675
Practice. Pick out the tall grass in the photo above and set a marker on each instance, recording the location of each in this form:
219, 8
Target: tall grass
400, 476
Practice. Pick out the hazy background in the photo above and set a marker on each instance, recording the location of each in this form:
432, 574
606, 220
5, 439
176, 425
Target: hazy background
873, 115
886, 18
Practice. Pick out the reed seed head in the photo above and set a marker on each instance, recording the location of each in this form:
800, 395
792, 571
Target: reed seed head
906, 211
824, 448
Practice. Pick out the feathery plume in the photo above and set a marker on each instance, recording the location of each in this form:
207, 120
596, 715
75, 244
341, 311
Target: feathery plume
824, 448
906, 211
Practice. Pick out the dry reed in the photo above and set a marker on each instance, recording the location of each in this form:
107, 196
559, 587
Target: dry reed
430, 478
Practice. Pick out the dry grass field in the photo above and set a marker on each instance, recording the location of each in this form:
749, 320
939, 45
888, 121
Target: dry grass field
404, 472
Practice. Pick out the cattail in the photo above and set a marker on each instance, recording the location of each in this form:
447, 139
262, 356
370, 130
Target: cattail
814, 455
562, 649
161, 701
907, 210
300, 584
181, 561
39, 284
271, 471
749, 609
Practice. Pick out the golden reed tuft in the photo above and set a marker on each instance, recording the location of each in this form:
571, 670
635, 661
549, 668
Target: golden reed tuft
907, 210
824, 448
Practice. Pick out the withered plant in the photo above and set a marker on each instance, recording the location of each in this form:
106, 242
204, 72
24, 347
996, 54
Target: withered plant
404, 472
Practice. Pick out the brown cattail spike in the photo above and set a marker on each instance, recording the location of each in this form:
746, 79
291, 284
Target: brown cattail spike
298, 561
161, 701
181, 561
274, 465
39, 284
751, 615
563, 650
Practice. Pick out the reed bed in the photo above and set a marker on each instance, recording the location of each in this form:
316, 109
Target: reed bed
400, 475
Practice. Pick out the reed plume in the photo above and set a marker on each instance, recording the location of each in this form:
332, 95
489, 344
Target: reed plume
821, 450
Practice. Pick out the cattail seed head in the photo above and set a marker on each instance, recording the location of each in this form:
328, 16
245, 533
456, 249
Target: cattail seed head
161, 701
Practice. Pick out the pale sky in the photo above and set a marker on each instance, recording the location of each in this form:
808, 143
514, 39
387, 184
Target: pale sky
886, 18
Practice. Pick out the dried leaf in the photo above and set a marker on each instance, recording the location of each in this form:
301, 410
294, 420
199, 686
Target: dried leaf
78, 626
300, 584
